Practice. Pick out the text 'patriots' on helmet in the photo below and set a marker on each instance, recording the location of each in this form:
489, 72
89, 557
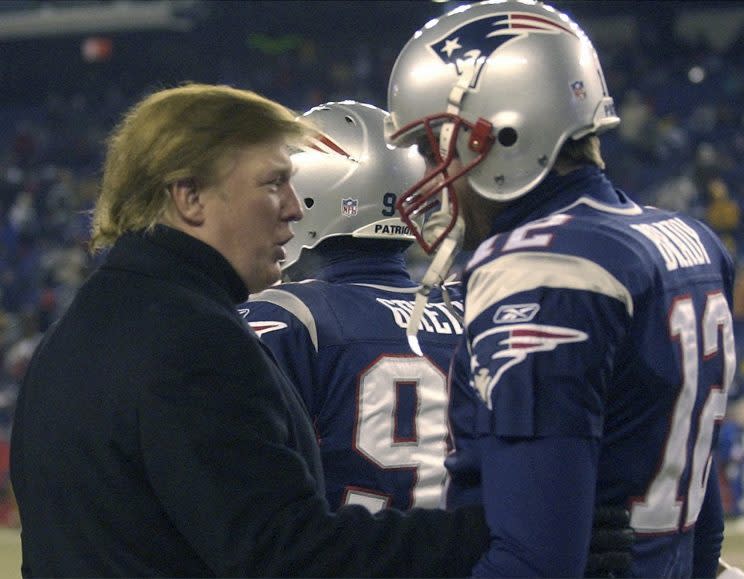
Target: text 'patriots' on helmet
501, 84
348, 178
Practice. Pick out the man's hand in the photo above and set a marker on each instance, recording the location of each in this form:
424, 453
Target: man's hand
612, 539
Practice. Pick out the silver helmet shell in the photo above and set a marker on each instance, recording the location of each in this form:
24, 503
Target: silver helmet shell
520, 74
348, 178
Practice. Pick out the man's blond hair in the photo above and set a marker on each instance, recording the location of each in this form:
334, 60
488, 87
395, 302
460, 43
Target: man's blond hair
174, 134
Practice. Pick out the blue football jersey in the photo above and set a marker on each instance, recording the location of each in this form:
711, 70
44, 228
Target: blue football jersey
379, 410
597, 353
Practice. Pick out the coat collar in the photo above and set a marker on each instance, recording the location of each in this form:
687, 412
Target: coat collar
171, 254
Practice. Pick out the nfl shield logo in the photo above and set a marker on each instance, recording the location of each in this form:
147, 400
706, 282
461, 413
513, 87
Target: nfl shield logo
350, 207
578, 90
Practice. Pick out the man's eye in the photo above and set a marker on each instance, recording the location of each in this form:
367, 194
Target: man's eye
274, 184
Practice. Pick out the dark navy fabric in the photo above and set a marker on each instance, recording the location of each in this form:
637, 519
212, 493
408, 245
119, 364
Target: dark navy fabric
378, 409
597, 349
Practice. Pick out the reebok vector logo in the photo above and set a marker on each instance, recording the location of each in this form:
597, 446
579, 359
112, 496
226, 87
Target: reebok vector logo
512, 313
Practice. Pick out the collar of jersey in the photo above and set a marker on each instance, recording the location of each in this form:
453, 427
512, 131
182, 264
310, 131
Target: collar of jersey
355, 267
557, 192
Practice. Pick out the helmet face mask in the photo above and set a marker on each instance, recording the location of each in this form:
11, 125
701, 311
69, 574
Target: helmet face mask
348, 178
505, 83
423, 197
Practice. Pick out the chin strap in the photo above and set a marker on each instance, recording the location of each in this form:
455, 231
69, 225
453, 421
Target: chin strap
438, 222
438, 268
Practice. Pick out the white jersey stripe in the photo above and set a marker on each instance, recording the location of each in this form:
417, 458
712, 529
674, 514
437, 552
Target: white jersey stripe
293, 305
524, 271
631, 209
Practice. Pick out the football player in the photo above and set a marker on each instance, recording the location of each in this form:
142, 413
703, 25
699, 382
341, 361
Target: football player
379, 410
339, 330
598, 343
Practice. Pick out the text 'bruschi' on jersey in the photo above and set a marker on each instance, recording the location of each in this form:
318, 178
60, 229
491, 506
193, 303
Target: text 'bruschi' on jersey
678, 243
437, 318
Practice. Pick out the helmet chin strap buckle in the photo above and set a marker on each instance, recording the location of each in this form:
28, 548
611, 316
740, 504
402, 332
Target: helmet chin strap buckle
481, 137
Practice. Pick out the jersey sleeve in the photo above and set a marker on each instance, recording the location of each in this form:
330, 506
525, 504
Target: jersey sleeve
542, 332
287, 327
538, 495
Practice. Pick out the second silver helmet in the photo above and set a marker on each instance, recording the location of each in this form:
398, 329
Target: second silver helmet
348, 178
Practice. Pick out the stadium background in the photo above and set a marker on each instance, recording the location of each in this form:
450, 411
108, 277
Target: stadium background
69, 68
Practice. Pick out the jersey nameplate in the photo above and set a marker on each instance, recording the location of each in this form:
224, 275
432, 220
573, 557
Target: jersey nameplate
437, 318
678, 243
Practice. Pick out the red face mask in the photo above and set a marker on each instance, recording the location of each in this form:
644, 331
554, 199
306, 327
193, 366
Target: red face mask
419, 200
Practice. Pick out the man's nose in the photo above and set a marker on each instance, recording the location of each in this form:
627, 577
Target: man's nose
293, 206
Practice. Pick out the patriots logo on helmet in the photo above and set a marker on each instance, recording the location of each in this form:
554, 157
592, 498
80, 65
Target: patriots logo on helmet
578, 90
514, 343
350, 207
324, 144
478, 39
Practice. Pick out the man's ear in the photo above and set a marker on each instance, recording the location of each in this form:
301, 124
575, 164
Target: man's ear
187, 201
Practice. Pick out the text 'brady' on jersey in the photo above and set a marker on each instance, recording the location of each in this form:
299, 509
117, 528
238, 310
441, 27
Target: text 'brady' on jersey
379, 410
602, 321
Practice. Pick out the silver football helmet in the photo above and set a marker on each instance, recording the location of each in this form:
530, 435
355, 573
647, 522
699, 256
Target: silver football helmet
501, 84
348, 178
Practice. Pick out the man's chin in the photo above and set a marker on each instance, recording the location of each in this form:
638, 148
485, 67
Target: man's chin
272, 277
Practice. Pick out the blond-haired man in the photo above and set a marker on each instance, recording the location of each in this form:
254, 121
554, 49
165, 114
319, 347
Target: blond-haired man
155, 435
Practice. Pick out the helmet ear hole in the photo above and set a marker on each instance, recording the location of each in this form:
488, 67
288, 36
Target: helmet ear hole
349, 120
309, 202
507, 137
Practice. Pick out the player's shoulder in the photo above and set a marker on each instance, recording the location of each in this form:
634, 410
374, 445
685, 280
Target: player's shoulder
616, 239
313, 302
618, 253
286, 307
670, 241
298, 299
299, 289
634, 224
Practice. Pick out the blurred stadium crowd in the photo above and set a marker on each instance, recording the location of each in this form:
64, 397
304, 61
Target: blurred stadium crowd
677, 84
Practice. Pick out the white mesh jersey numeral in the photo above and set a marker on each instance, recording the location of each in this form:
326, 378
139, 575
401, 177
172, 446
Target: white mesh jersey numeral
661, 508
376, 436
717, 315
